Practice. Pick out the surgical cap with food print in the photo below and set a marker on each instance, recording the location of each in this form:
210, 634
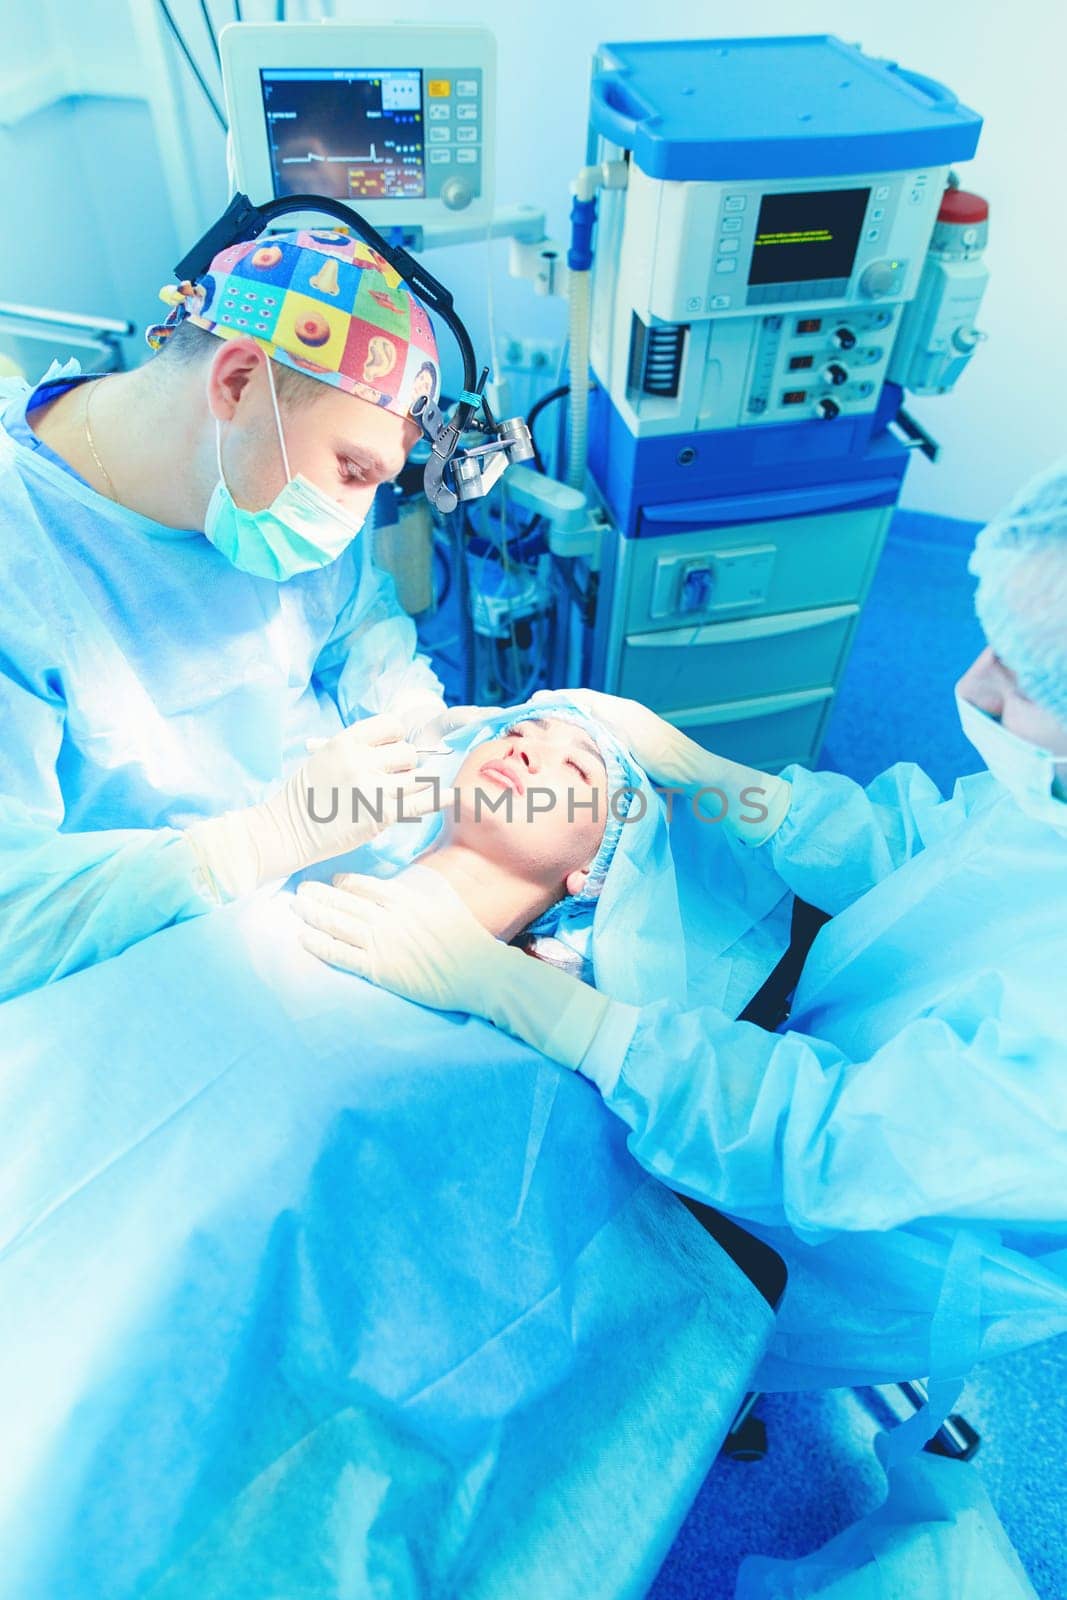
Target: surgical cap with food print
324, 304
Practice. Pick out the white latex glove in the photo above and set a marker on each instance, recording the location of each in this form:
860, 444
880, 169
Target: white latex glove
428, 735
674, 761
243, 849
415, 936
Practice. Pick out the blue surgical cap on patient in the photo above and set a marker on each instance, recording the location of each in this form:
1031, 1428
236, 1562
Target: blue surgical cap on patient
1020, 561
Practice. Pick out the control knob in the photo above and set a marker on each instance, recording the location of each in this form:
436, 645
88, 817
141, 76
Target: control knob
827, 409
836, 374
456, 194
880, 278
965, 339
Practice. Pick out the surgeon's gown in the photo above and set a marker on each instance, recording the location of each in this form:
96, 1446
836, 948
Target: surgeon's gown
920, 1086
146, 683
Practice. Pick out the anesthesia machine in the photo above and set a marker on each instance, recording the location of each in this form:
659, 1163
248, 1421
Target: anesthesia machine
784, 257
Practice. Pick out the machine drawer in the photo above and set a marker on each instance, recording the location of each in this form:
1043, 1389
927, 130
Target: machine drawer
771, 733
679, 668
753, 569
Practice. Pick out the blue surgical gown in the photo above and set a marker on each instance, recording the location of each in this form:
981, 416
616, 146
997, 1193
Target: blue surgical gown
904, 1142
146, 683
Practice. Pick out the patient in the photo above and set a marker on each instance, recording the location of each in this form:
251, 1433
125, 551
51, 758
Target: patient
554, 841
527, 824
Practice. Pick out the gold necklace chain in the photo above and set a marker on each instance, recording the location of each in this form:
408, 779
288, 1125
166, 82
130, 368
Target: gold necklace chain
104, 473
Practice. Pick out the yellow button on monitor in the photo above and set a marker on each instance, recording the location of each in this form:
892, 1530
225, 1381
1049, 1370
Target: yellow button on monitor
439, 88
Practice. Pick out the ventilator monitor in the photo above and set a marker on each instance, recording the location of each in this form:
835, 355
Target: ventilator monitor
395, 120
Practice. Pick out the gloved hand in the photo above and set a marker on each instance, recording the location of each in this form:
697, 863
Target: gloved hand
756, 802
359, 782
414, 935
426, 735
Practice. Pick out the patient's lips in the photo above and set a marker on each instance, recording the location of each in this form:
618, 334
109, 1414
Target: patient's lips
505, 772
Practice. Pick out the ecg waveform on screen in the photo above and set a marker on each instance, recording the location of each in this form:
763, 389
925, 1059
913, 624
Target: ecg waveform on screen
352, 138
313, 155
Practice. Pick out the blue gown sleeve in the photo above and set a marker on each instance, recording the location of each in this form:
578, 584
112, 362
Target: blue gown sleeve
68, 900
370, 662
838, 839
784, 1128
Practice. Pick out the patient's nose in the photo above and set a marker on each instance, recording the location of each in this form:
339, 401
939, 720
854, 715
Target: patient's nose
521, 748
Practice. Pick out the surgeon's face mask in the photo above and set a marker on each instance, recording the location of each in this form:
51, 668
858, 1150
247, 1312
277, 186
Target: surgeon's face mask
1029, 773
300, 530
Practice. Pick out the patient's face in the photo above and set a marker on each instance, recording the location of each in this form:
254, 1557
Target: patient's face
535, 799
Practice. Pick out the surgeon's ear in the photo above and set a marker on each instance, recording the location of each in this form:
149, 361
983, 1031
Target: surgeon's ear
232, 368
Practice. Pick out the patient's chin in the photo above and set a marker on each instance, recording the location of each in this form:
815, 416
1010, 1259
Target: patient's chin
517, 848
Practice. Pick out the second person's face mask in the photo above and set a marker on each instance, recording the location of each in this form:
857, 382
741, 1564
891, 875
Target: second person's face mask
300, 530
1026, 771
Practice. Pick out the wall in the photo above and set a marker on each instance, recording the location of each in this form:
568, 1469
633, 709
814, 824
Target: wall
151, 178
108, 162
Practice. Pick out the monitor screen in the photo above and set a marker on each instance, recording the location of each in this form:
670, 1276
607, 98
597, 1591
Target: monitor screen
801, 238
352, 135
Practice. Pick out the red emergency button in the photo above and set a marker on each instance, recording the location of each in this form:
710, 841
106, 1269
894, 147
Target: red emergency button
958, 205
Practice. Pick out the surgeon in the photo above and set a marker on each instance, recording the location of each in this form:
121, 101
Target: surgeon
188, 605
923, 1070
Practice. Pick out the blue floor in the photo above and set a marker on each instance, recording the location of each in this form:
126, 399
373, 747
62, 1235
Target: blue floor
917, 634
820, 1474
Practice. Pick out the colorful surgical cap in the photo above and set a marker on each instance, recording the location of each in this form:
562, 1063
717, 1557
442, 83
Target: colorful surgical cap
1020, 561
323, 303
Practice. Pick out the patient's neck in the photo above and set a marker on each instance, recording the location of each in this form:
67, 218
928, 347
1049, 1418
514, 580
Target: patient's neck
502, 901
